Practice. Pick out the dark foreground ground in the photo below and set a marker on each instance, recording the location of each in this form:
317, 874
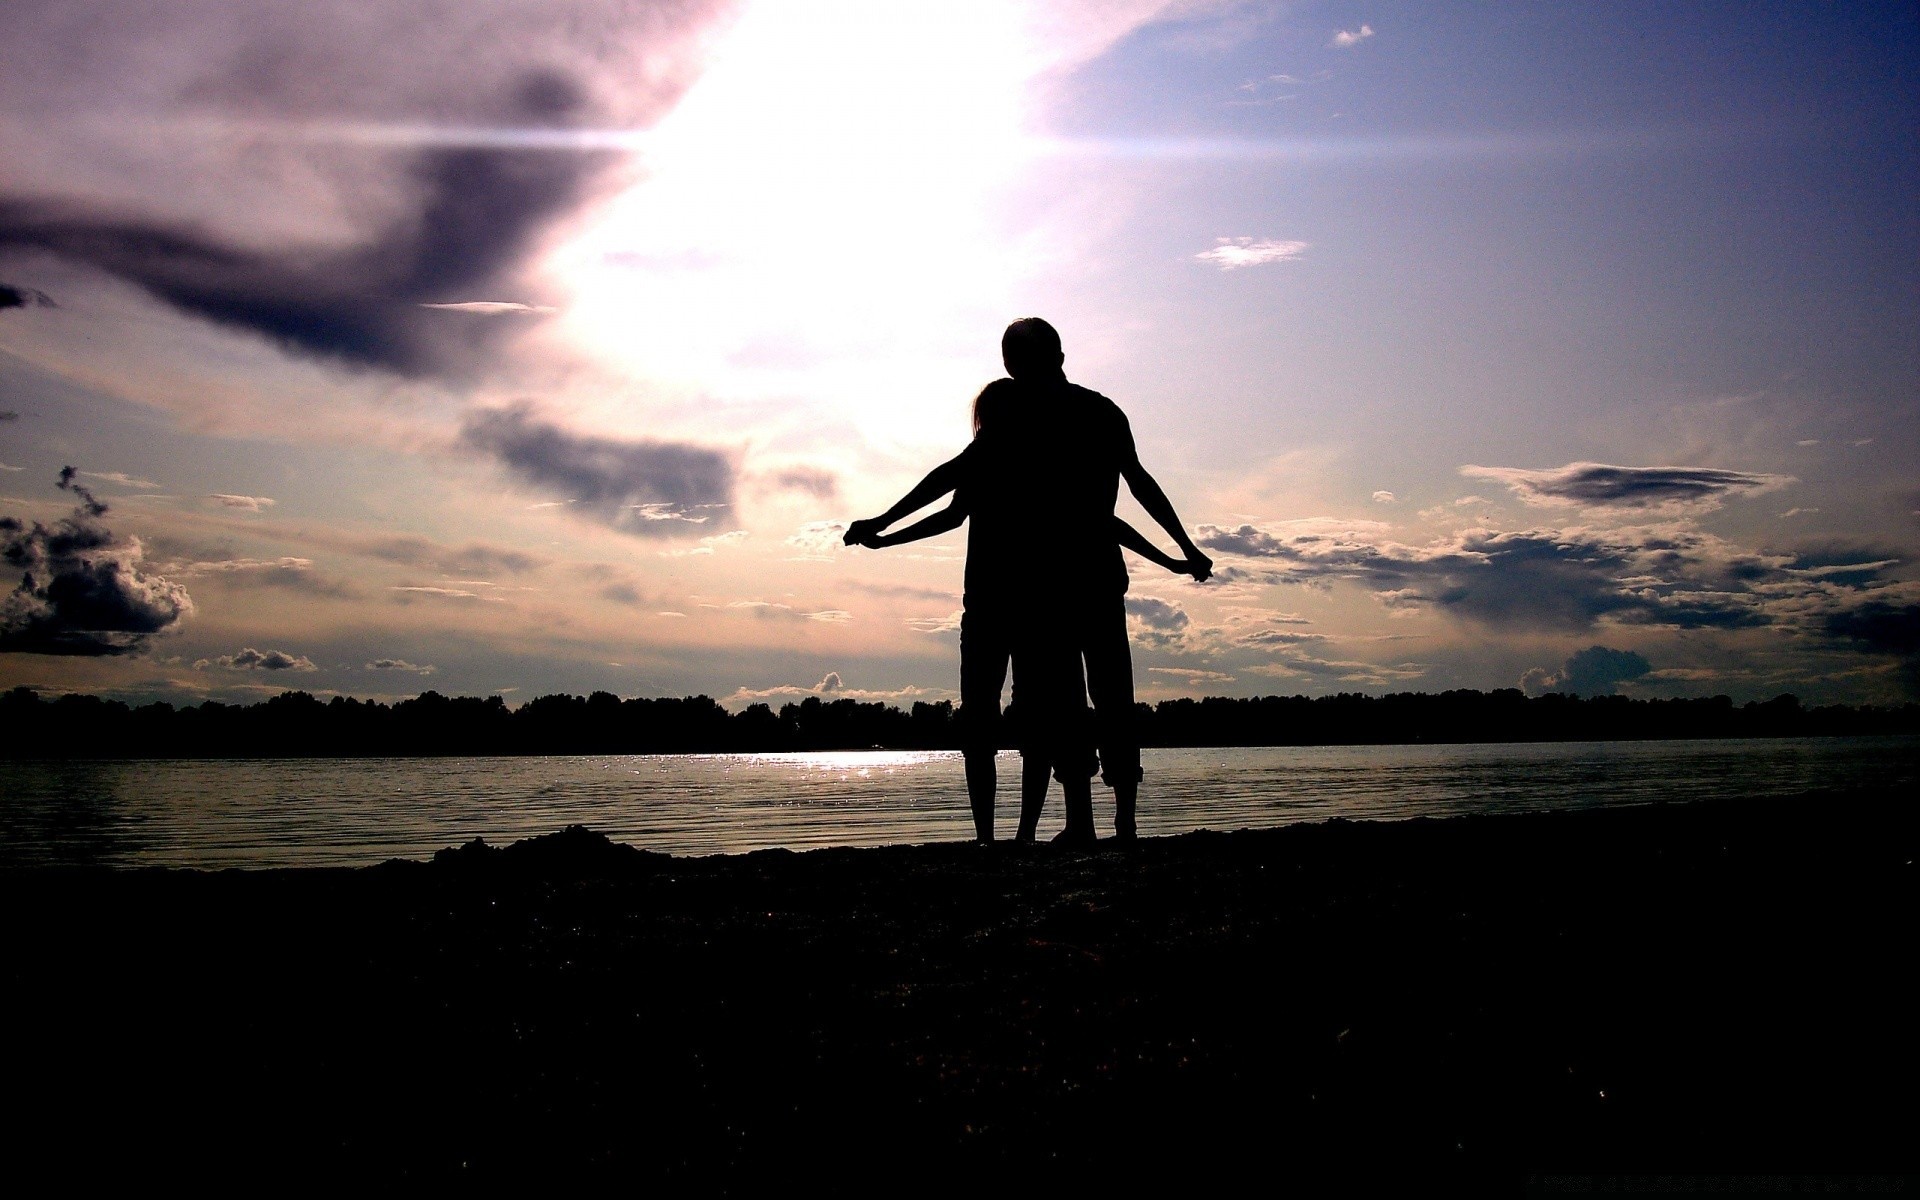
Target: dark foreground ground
1713, 988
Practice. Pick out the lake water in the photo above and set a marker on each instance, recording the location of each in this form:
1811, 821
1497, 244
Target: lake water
349, 812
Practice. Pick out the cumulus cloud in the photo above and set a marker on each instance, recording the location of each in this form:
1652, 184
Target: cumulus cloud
248, 503
1232, 253
831, 687
249, 659
1833, 598
1352, 37
82, 591
1383, 498
1595, 671
400, 664
818, 539
1696, 488
1158, 623
642, 487
314, 173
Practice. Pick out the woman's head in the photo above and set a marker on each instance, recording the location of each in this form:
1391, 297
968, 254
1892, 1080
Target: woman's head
994, 405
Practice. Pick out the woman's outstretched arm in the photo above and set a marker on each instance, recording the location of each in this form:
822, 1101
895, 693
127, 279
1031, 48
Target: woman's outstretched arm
939, 481
1133, 540
946, 519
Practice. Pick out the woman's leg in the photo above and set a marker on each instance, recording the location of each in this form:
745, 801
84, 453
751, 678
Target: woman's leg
984, 651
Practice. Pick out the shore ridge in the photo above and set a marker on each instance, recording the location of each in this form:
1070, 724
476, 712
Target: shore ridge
1669, 988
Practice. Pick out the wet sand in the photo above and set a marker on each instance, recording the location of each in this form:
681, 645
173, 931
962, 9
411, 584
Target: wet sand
1700, 988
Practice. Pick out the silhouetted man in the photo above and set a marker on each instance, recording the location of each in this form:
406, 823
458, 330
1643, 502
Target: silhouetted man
1081, 447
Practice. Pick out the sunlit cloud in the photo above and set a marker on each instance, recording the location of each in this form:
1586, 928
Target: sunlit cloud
248, 503
1230, 254
494, 308
1346, 38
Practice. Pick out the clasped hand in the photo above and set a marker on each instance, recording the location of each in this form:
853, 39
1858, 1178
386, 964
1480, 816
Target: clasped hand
864, 532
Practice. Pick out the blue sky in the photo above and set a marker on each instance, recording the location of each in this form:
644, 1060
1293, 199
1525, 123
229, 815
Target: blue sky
545, 347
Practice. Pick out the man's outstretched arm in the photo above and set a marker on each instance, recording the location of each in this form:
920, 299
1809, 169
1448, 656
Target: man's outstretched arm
939, 481
1147, 491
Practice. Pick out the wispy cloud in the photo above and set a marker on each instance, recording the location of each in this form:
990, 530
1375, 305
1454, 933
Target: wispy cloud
1352, 37
248, 503
122, 479
494, 308
1232, 253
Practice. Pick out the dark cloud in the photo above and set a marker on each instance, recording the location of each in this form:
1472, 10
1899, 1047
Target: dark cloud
14, 296
478, 213
7, 414
1629, 487
249, 659
316, 173
647, 488
1595, 671
81, 590
1540, 579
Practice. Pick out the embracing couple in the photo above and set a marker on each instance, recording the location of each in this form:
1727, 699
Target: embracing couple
1045, 582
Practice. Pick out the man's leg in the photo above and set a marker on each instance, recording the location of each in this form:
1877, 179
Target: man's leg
1110, 686
983, 671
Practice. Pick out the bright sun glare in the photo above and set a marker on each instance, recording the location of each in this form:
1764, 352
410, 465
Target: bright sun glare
816, 219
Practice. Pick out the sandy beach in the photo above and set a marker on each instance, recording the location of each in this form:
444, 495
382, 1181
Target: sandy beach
1528, 1000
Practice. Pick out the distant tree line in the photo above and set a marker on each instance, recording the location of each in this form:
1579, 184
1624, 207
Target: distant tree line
297, 724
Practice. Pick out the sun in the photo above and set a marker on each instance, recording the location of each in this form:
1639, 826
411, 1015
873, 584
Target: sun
818, 217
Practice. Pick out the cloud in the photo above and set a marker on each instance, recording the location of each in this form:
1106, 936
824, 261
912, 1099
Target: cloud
818, 539
829, 683
122, 479
249, 659
1193, 675
249, 503
947, 624
814, 481
1697, 488
7, 414
1158, 623
1351, 37
444, 593
494, 308
315, 173
646, 488
81, 589
1230, 254
287, 572
474, 558
1595, 671
400, 664
708, 545
14, 296
1383, 498
830, 688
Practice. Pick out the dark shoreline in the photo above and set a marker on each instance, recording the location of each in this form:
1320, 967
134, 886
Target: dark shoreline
1677, 988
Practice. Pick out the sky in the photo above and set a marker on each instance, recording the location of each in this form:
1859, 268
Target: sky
518, 348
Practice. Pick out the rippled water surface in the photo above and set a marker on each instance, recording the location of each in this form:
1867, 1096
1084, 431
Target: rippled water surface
309, 812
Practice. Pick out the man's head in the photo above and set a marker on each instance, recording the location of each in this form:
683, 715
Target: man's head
1030, 348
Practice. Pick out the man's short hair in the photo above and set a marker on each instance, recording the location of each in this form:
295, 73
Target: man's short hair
1031, 347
